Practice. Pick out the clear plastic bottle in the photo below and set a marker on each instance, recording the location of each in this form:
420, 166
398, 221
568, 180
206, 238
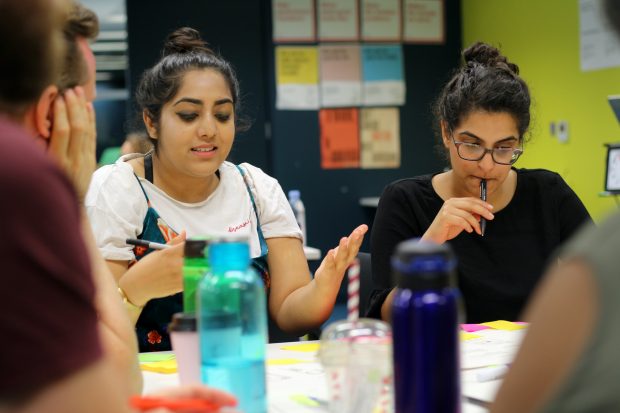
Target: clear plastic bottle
232, 324
297, 205
425, 326
195, 266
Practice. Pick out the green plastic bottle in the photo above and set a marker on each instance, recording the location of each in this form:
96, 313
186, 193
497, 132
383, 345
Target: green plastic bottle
195, 266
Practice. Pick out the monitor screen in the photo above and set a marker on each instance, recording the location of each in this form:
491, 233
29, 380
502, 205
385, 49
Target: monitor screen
612, 177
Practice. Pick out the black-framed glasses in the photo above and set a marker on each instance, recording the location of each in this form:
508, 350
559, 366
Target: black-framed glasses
503, 155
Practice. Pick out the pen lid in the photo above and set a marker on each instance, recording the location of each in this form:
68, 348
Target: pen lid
196, 247
184, 322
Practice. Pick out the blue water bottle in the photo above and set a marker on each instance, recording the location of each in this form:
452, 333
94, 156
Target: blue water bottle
232, 325
425, 317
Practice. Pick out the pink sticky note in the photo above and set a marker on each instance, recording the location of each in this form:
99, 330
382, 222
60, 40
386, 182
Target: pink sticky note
470, 328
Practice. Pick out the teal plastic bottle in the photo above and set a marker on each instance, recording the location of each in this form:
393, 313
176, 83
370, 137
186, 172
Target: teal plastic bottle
195, 267
232, 325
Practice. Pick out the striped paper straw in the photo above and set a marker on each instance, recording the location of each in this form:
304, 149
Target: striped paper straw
353, 291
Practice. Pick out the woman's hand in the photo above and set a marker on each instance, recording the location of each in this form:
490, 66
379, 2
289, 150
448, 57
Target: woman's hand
457, 215
331, 271
159, 274
74, 138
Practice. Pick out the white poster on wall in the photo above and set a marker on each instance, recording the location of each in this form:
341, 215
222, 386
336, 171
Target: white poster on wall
338, 20
381, 20
423, 21
293, 21
598, 44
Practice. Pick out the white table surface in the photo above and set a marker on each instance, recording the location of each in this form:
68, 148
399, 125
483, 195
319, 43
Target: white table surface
291, 372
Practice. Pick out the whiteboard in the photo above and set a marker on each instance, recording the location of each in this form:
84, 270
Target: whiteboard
599, 45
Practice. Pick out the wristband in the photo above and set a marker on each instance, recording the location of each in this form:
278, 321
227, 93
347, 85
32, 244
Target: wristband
126, 299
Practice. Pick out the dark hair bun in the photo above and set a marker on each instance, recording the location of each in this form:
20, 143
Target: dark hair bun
487, 55
185, 40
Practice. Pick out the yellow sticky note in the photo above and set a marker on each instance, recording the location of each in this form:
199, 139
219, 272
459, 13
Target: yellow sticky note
166, 366
504, 325
468, 336
298, 65
285, 362
309, 347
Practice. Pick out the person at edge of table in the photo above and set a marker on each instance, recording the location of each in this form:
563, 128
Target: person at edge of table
52, 358
483, 115
568, 360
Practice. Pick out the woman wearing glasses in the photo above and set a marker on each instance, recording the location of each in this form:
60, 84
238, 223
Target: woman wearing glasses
483, 114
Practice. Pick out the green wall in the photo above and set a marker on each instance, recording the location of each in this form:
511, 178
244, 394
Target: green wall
542, 37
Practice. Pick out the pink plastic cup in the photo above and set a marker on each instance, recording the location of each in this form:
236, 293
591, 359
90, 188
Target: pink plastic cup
184, 339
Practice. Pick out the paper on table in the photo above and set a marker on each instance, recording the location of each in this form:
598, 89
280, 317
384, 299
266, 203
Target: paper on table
309, 347
471, 387
156, 356
286, 362
494, 347
165, 367
470, 328
284, 381
468, 336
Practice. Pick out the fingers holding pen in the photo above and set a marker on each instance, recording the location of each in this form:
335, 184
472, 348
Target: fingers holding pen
457, 215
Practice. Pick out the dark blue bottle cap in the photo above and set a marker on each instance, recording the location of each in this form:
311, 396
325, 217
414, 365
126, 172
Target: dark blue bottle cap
423, 265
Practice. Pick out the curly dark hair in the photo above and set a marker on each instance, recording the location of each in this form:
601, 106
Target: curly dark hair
486, 81
184, 50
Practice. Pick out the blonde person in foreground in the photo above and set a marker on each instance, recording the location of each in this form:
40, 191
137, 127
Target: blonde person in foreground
57, 354
568, 361
190, 106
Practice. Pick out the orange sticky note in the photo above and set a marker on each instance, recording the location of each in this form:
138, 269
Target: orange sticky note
504, 325
340, 138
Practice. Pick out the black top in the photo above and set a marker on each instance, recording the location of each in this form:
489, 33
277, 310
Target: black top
496, 272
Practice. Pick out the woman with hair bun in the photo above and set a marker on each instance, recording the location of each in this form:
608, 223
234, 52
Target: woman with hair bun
190, 107
502, 244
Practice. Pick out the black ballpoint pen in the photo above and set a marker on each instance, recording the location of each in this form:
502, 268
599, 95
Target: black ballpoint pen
147, 244
483, 196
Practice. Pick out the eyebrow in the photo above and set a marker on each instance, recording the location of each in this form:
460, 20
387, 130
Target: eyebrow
468, 133
201, 103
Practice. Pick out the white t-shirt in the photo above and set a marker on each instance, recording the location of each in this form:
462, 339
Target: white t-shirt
116, 208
